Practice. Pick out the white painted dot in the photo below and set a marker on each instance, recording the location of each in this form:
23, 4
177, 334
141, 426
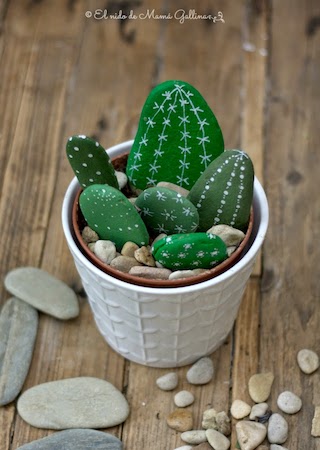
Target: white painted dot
219, 211
137, 226
229, 183
77, 171
203, 197
212, 179
242, 168
82, 136
241, 176
96, 225
219, 170
90, 155
225, 192
207, 188
76, 149
198, 205
120, 229
129, 228
85, 164
108, 228
223, 202
70, 156
70, 138
91, 179
84, 185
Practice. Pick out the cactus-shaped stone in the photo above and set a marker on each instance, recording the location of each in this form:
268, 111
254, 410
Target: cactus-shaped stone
112, 216
90, 162
190, 251
177, 138
166, 211
223, 193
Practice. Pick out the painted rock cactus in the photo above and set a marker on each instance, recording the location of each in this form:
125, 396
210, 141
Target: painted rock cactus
90, 162
223, 193
189, 251
178, 136
112, 216
166, 211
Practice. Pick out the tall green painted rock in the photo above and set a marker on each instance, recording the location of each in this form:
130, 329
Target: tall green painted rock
166, 211
190, 251
177, 138
90, 162
223, 194
112, 216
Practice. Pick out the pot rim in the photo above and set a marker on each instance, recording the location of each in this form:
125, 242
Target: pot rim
261, 214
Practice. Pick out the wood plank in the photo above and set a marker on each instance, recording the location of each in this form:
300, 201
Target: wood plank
290, 313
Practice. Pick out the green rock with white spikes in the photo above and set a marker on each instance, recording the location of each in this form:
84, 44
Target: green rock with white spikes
90, 162
177, 138
223, 194
166, 211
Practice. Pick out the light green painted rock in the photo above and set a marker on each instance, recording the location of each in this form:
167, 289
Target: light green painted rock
177, 138
112, 216
223, 193
166, 211
189, 251
90, 162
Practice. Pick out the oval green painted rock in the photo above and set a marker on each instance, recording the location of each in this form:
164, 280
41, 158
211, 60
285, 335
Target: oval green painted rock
112, 216
166, 211
177, 138
223, 194
190, 251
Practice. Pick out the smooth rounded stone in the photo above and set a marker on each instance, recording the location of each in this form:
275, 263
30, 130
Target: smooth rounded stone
43, 291
315, 430
89, 235
129, 248
185, 447
18, 331
186, 273
250, 434
83, 402
277, 447
124, 263
194, 436
122, 179
230, 236
105, 251
289, 402
167, 382
151, 273
79, 439
258, 410
240, 409
203, 446
217, 440
174, 187
143, 255
308, 361
201, 372
91, 246
180, 420
183, 399
260, 386
277, 429
231, 250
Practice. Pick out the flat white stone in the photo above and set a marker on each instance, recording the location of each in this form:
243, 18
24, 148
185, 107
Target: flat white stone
167, 382
83, 402
217, 440
43, 291
277, 429
183, 399
289, 402
240, 409
260, 386
315, 430
308, 361
185, 447
201, 372
258, 410
194, 436
122, 179
105, 251
250, 434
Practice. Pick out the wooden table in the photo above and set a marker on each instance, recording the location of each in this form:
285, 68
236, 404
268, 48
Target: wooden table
62, 74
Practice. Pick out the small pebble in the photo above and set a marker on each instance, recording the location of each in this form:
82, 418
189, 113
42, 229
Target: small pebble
216, 420
177, 274
250, 434
183, 399
194, 436
308, 361
277, 429
185, 447
217, 440
203, 446
143, 255
122, 179
258, 410
260, 386
129, 248
315, 431
223, 423
240, 409
89, 235
231, 236
124, 263
209, 419
201, 372
277, 447
174, 187
150, 272
289, 402
167, 382
105, 251
180, 420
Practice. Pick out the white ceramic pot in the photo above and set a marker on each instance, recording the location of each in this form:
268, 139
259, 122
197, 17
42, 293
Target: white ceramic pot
165, 327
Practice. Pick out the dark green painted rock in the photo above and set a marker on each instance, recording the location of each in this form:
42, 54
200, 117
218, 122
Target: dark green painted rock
90, 162
112, 216
178, 136
223, 194
189, 251
166, 211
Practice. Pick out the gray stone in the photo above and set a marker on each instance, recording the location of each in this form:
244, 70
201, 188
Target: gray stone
83, 402
151, 273
183, 399
143, 255
277, 429
240, 409
185, 447
43, 291
105, 251
308, 361
194, 436
201, 372
89, 235
18, 331
167, 382
79, 439
217, 440
124, 263
230, 236
250, 434
258, 410
289, 402
122, 179
129, 248
223, 423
